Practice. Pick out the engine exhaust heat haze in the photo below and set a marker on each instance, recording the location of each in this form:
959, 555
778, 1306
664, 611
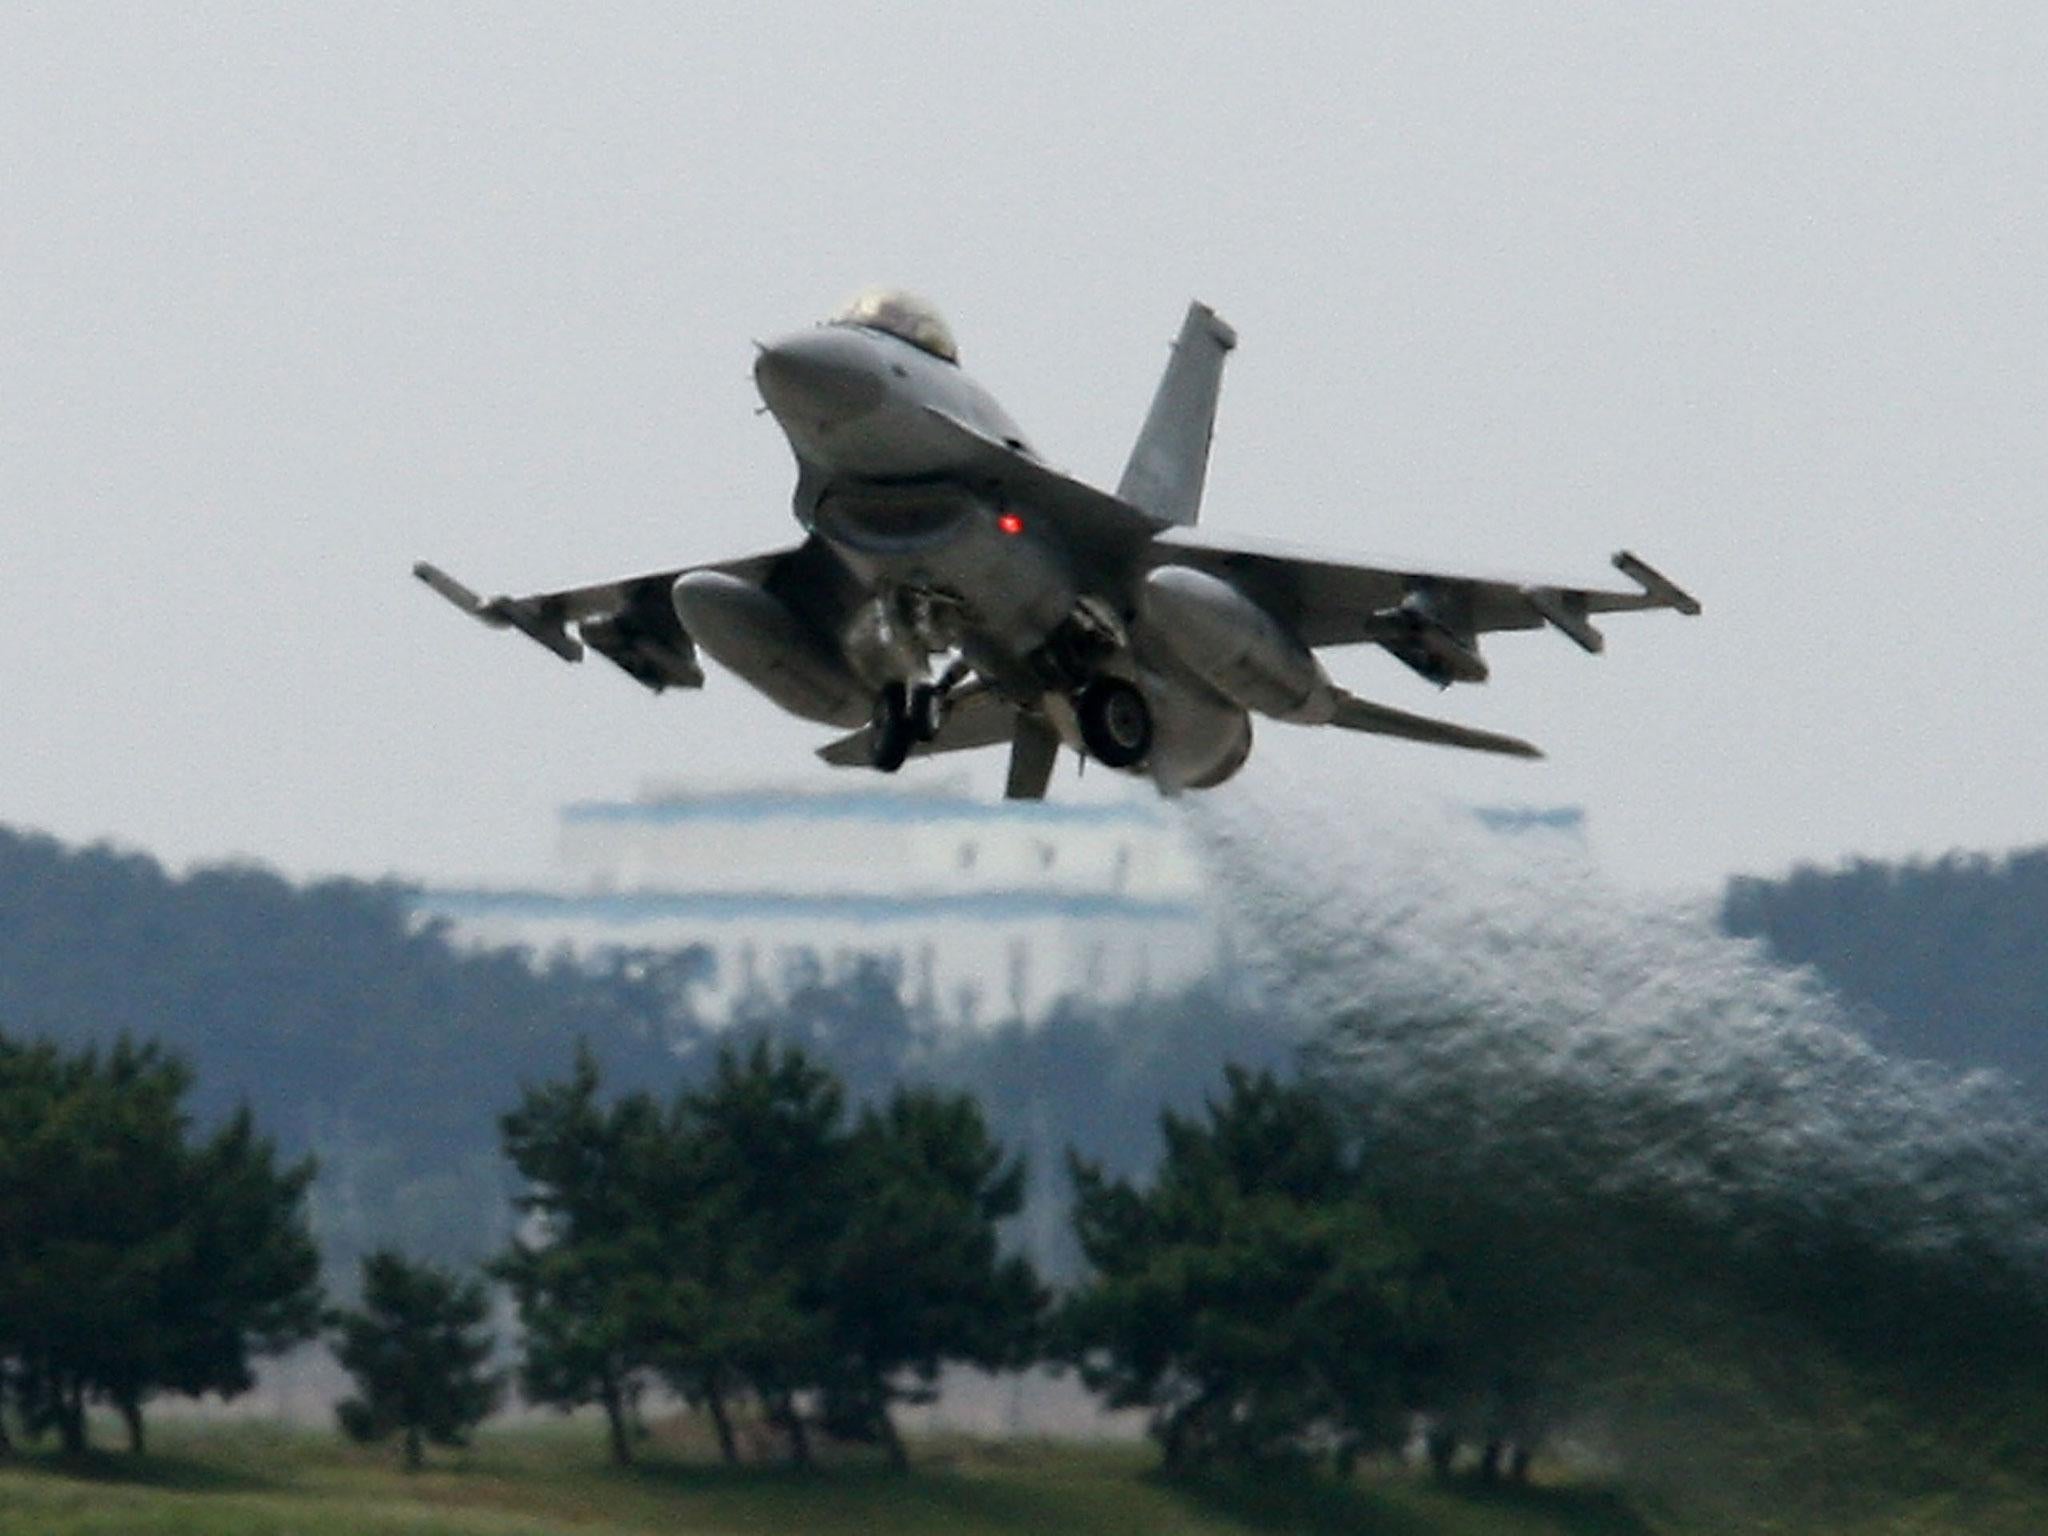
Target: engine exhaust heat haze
1506, 1021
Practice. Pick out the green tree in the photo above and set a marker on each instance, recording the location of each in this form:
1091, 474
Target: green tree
1254, 1298
245, 1280
416, 1348
1945, 960
134, 1261
585, 1270
748, 1241
772, 1160
636, 1256
917, 1276
852, 1017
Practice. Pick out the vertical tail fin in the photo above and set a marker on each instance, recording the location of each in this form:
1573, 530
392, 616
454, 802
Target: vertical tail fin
1171, 456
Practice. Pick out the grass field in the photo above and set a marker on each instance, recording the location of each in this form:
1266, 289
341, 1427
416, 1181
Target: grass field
245, 1480
255, 1480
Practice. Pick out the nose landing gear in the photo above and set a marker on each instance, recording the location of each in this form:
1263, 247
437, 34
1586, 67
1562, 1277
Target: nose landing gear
1115, 721
926, 706
907, 714
891, 734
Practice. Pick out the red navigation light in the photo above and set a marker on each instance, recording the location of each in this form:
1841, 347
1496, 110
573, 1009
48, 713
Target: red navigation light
1010, 522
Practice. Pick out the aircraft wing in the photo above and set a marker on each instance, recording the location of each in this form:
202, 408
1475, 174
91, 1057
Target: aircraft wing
632, 623
979, 717
1431, 620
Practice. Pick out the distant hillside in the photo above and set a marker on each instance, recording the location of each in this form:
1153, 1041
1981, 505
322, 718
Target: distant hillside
361, 1035
349, 1029
1950, 956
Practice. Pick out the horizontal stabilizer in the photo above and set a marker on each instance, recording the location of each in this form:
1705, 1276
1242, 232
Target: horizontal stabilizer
973, 720
1355, 714
848, 751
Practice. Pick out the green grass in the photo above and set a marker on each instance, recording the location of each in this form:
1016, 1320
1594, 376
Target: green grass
249, 1480
259, 1480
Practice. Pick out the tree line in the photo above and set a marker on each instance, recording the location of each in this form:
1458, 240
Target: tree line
1947, 958
1504, 1301
757, 1245
363, 1037
755, 1238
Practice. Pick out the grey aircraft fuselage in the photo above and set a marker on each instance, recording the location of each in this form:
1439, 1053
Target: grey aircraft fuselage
887, 486
889, 482
1056, 613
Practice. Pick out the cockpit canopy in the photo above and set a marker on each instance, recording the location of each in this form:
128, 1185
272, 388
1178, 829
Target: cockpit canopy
902, 315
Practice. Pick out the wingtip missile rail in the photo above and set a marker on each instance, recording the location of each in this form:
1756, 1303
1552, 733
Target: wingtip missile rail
456, 593
530, 618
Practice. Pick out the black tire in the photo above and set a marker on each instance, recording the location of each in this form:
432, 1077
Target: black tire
1116, 722
889, 735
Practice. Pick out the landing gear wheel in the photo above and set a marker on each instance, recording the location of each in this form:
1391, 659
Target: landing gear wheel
927, 711
889, 730
1116, 722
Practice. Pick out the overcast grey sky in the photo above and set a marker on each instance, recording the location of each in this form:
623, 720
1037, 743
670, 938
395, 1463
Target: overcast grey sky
290, 296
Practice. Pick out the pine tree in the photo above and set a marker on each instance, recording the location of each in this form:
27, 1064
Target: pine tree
749, 1242
417, 1349
770, 1154
133, 1262
1253, 1297
584, 1270
916, 1274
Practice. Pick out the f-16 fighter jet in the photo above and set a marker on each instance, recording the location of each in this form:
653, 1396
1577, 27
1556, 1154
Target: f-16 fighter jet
952, 590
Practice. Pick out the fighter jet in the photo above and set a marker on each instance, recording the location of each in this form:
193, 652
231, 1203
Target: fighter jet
953, 591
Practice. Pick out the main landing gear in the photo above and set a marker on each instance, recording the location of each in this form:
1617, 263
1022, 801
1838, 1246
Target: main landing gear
1115, 721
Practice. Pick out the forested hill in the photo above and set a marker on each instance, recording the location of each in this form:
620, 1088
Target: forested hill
1952, 955
347, 1028
357, 1034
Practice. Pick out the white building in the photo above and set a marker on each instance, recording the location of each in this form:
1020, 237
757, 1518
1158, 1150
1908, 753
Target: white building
993, 909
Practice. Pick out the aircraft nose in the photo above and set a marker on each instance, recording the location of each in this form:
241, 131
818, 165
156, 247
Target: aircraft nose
819, 377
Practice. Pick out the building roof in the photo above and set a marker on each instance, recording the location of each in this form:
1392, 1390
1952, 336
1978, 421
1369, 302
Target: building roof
878, 806
626, 907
